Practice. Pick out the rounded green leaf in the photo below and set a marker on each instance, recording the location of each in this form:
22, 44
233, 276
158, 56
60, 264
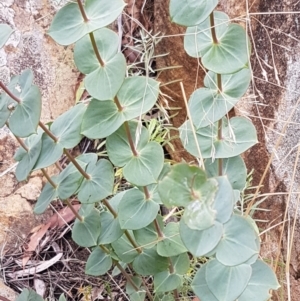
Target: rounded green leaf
238, 243
29, 295
104, 82
67, 126
98, 263
147, 237
26, 115
224, 200
101, 119
68, 25
135, 295
181, 263
49, 154
200, 287
4, 111
28, 159
229, 55
7, 104
207, 105
150, 263
200, 215
143, 169
69, 180
171, 244
233, 85
261, 282
136, 96
116, 199
124, 249
101, 182
166, 282
234, 168
85, 233
118, 146
84, 54
110, 228
200, 243
5, 32
48, 194
227, 283
191, 12
135, 211
238, 133
185, 183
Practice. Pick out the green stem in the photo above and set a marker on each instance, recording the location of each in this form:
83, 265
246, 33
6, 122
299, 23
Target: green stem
84, 16
74, 210
158, 230
110, 208
46, 175
9, 93
219, 83
220, 135
125, 274
129, 237
147, 193
117, 102
213, 29
46, 130
127, 129
21, 142
133, 243
76, 164
96, 50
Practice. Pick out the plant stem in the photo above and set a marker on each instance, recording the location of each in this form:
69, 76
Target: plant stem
48, 178
219, 83
220, 136
84, 16
46, 130
74, 211
127, 129
110, 208
134, 244
76, 164
158, 230
129, 237
116, 100
146, 288
147, 193
96, 50
212, 28
21, 142
9, 93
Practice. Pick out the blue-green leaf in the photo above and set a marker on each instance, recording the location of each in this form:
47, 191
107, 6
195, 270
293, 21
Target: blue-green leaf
136, 211
191, 12
98, 263
5, 32
229, 55
238, 135
68, 25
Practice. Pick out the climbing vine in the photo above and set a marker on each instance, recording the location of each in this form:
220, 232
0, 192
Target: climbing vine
127, 229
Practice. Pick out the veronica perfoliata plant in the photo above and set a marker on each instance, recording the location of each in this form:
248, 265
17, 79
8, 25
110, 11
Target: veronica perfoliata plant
126, 229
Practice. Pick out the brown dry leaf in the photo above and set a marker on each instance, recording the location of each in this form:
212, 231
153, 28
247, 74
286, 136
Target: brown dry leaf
58, 219
63, 216
34, 241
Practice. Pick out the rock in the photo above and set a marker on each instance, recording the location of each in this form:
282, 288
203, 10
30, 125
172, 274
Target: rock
17, 219
31, 190
7, 292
